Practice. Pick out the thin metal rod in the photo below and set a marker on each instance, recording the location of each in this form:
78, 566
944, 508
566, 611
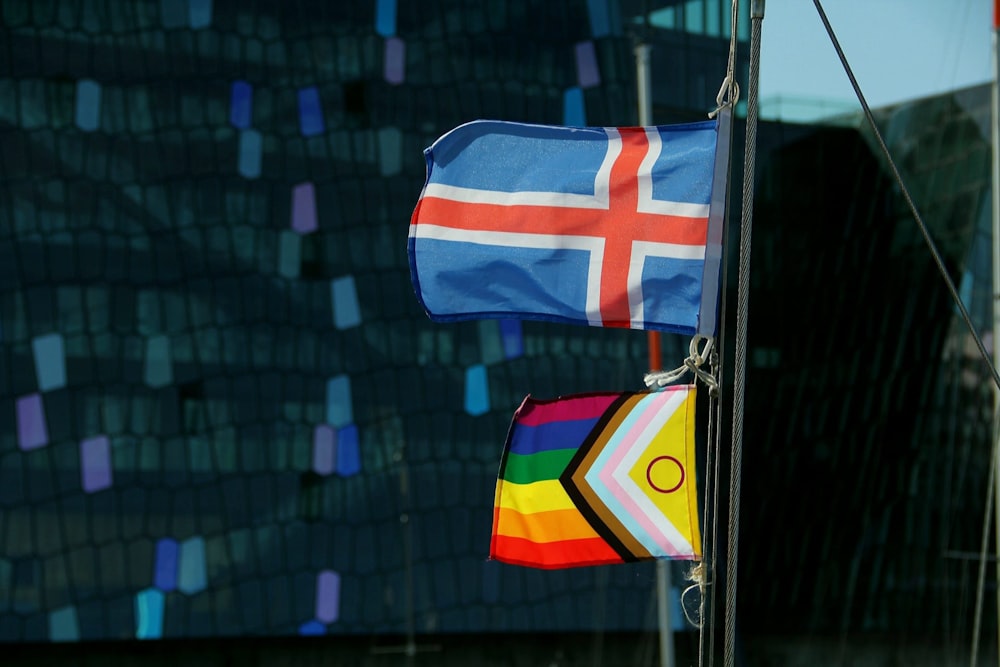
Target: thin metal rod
663, 583
742, 312
909, 200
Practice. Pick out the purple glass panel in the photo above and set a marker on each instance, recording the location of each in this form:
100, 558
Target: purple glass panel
95, 463
348, 451
513, 342
165, 572
328, 596
31, 430
324, 449
587, 72
304, 208
395, 60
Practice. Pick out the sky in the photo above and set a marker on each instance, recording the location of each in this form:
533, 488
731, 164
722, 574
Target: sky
899, 50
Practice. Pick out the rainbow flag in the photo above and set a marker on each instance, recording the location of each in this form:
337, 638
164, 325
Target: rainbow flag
596, 479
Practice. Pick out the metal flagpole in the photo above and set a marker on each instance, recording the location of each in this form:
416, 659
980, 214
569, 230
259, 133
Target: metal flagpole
644, 90
743, 292
995, 189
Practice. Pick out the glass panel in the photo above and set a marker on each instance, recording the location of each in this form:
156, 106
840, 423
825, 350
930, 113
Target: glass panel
348, 451
311, 120
477, 390
199, 14
328, 596
395, 60
324, 449
165, 569
289, 254
95, 463
304, 208
339, 406
191, 572
50, 361
149, 614
250, 154
385, 17
600, 20
63, 625
241, 105
574, 114
88, 105
159, 368
32, 432
346, 311
390, 142
694, 16
587, 72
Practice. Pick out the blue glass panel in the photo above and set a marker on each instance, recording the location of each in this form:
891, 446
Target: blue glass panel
63, 625
241, 105
344, 295
192, 578
310, 112
385, 17
312, 629
513, 341
165, 570
574, 114
159, 366
251, 151
149, 614
199, 14
348, 451
50, 361
339, 405
600, 21
88, 105
289, 254
477, 390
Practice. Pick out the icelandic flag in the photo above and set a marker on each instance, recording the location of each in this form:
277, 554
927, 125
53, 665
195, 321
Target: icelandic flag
602, 226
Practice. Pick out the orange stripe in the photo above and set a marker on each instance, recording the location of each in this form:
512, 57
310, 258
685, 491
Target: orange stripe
551, 526
554, 555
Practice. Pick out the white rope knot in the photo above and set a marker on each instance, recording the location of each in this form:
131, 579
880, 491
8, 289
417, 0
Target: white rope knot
659, 379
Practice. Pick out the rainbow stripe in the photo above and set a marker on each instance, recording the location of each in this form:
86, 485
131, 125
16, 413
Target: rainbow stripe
587, 479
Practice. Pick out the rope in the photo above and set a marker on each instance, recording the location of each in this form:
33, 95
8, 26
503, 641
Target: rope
659, 379
710, 539
729, 92
909, 200
743, 292
981, 580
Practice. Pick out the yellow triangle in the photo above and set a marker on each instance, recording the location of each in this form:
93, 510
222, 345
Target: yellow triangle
665, 472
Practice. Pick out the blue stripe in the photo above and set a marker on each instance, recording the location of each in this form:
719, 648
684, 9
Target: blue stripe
511, 157
522, 281
684, 170
527, 440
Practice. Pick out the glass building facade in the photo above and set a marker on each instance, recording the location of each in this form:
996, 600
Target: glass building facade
223, 414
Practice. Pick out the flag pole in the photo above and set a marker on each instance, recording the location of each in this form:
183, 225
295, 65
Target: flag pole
995, 190
663, 584
739, 368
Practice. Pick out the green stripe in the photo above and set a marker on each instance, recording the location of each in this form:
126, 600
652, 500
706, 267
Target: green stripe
525, 469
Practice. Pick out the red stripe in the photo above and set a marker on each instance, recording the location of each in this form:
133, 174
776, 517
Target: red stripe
553, 555
556, 220
535, 412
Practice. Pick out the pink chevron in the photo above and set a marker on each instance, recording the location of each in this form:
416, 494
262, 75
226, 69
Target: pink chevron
605, 475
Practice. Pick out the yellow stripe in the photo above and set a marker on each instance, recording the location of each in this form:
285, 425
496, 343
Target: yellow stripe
535, 497
541, 527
